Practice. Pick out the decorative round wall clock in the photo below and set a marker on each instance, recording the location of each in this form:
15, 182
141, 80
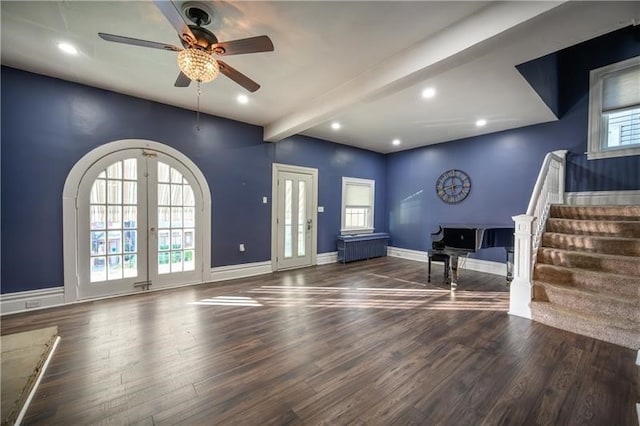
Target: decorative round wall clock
453, 186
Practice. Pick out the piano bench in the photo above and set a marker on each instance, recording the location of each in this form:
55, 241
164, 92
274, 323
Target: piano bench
439, 257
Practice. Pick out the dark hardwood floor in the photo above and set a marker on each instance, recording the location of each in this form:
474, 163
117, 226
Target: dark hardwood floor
364, 343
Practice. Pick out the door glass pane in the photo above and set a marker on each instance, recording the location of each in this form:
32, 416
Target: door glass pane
187, 194
130, 216
114, 171
98, 269
176, 176
163, 172
129, 195
98, 217
176, 261
164, 194
115, 267
98, 243
130, 267
163, 240
288, 200
130, 241
176, 195
114, 217
114, 191
176, 245
176, 217
108, 194
189, 217
131, 169
302, 218
98, 192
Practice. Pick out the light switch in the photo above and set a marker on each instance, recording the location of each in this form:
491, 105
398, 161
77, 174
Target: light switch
264, 200
320, 209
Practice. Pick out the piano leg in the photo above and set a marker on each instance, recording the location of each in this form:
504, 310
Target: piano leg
453, 273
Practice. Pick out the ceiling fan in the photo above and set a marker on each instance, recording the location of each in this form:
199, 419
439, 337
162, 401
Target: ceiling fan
197, 59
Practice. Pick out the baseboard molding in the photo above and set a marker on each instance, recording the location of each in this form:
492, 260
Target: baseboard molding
243, 270
495, 268
602, 198
13, 303
417, 255
326, 258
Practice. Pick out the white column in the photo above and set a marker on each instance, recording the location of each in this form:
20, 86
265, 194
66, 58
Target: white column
522, 285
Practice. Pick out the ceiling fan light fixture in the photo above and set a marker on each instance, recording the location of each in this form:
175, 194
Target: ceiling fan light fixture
198, 65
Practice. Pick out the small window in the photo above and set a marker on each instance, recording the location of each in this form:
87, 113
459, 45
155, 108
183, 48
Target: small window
358, 196
614, 110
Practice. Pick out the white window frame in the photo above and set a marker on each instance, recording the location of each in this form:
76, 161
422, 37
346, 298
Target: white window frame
371, 184
597, 125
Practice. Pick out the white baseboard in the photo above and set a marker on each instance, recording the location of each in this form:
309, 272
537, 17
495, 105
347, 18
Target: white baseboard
417, 255
603, 198
470, 264
12, 303
326, 258
244, 270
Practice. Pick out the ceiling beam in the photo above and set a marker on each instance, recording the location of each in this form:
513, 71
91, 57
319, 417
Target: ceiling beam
399, 68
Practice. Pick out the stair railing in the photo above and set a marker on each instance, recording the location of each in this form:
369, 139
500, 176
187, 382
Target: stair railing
529, 227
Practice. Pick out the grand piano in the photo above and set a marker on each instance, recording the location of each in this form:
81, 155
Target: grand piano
458, 240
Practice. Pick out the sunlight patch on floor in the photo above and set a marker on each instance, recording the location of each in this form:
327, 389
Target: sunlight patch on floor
365, 298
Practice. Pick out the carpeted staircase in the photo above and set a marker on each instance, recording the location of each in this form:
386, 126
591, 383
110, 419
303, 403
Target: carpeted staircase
587, 274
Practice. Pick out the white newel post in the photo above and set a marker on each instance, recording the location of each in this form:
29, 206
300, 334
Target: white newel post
521, 291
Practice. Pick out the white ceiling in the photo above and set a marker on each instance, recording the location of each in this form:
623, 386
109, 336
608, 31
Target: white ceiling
361, 63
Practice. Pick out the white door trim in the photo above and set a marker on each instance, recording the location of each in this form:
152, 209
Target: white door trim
278, 167
70, 208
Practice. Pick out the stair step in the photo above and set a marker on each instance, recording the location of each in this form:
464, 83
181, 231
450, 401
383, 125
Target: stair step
629, 228
615, 264
593, 244
588, 301
623, 333
625, 213
612, 284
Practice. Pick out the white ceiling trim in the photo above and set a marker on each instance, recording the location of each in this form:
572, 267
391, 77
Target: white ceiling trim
471, 31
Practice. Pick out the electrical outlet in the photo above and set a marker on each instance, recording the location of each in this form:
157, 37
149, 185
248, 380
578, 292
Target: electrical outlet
30, 304
264, 200
241, 247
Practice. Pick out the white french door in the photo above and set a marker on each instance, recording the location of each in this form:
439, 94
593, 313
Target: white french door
295, 222
138, 217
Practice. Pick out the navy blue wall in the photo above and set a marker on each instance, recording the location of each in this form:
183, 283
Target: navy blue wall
49, 124
503, 166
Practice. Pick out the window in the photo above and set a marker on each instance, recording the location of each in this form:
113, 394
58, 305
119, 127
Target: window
358, 196
614, 110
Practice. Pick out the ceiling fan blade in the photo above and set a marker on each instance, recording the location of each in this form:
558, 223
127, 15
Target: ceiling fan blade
174, 16
138, 42
238, 77
182, 80
245, 45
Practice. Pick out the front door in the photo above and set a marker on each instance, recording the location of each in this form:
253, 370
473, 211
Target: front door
294, 220
139, 215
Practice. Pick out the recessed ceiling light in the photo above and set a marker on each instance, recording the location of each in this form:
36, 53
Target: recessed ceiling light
429, 92
335, 125
396, 142
243, 99
481, 122
68, 48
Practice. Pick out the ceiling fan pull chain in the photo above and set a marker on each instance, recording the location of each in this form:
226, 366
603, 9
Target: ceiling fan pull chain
198, 108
